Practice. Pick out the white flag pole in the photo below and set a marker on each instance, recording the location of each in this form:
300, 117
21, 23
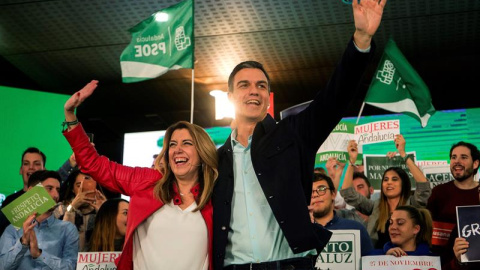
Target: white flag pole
191, 99
360, 113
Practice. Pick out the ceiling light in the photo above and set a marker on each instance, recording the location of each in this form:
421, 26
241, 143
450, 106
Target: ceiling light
161, 17
223, 106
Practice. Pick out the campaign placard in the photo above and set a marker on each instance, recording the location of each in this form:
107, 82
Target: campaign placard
342, 252
97, 260
437, 174
390, 262
336, 144
375, 166
36, 199
377, 132
468, 223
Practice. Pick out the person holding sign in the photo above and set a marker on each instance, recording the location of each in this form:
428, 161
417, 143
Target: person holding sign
395, 191
410, 232
168, 213
43, 242
324, 214
463, 190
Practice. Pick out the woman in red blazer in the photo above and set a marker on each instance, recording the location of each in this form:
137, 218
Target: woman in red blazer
170, 217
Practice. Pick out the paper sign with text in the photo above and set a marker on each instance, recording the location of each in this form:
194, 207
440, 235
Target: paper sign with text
437, 174
468, 224
375, 166
97, 260
389, 262
36, 199
376, 132
336, 144
342, 252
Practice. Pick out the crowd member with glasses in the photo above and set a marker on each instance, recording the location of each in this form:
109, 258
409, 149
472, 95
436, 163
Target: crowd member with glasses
395, 191
324, 214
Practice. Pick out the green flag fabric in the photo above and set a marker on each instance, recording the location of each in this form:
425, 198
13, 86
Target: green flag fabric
162, 42
397, 87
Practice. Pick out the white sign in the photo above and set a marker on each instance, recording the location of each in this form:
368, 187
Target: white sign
390, 262
437, 174
97, 260
342, 252
375, 132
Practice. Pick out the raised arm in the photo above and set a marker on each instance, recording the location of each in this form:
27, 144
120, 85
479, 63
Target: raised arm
423, 189
114, 176
416, 172
351, 196
367, 15
75, 100
334, 170
352, 149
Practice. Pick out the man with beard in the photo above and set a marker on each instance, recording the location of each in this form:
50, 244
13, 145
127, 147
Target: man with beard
463, 190
322, 208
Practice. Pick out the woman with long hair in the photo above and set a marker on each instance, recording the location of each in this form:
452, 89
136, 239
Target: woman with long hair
170, 218
410, 232
395, 191
81, 200
110, 226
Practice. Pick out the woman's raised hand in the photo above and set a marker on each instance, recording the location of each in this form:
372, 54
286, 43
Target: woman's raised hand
76, 99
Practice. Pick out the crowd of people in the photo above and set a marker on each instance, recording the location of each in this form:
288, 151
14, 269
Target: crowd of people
255, 203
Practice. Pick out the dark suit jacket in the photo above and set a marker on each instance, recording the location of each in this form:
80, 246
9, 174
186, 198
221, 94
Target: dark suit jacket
283, 157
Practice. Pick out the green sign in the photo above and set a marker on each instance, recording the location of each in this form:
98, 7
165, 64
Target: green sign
36, 200
375, 166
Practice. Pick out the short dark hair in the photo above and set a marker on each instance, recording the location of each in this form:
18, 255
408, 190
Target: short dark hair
40, 176
35, 150
473, 151
361, 175
246, 64
322, 177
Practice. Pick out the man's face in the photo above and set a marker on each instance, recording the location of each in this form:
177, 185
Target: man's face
250, 95
361, 187
322, 204
52, 186
31, 163
462, 164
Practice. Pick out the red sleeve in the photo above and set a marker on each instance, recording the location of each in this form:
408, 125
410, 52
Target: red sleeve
116, 177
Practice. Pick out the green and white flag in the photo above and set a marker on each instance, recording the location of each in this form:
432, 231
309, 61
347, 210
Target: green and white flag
162, 42
397, 87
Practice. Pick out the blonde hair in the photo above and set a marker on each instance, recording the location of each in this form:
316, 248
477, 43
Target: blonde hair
208, 171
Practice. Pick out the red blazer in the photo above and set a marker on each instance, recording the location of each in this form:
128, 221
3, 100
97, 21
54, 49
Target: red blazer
138, 183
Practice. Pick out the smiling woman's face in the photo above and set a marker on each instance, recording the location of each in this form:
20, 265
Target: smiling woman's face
183, 156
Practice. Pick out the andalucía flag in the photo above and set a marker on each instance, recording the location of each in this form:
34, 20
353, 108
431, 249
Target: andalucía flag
162, 42
397, 87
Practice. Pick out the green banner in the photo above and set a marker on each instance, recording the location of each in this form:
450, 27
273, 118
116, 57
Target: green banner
397, 87
36, 199
162, 42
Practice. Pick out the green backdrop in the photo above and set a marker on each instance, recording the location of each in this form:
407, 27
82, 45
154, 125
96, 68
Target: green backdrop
29, 118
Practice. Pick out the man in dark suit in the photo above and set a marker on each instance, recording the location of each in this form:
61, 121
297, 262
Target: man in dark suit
261, 220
